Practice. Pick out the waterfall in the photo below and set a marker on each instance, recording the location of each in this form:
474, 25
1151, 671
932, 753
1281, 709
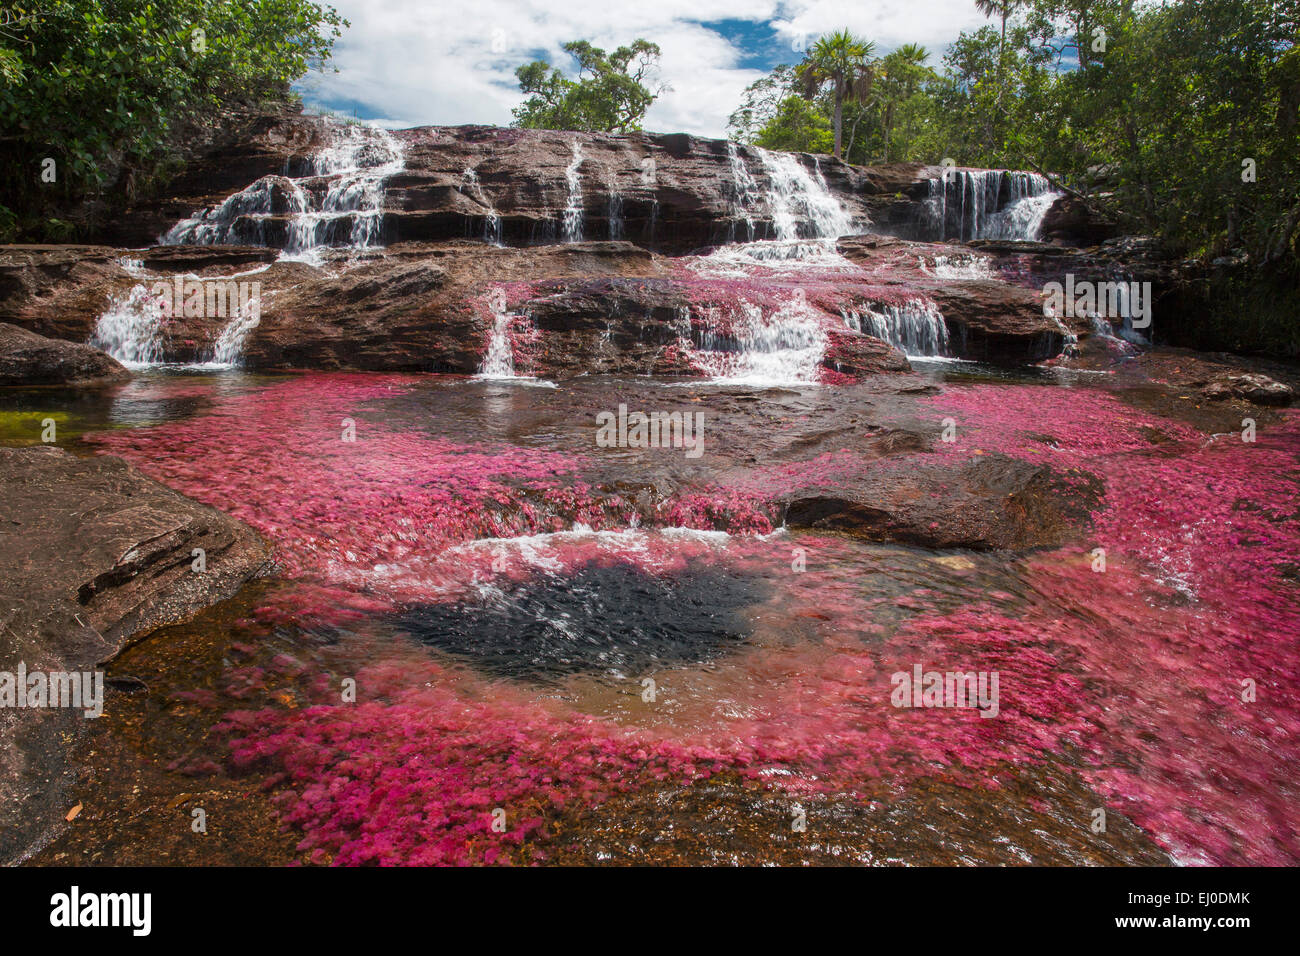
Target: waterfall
499, 362
356, 163
492, 222
746, 346
988, 204
800, 204
958, 267
614, 212
746, 198
573, 212
130, 329
916, 327
793, 257
229, 348
359, 162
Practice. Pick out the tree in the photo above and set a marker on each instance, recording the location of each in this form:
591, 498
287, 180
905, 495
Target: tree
109, 94
760, 103
1004, 9
843, 63
609, 95
899, 78
798, 126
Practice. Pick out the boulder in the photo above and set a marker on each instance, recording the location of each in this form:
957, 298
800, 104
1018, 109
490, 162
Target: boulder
30, 359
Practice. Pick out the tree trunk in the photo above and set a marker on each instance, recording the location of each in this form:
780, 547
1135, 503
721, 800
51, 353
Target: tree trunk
839, 118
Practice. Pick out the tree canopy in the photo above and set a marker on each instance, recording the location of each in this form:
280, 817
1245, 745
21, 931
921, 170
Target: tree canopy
106, 90
1180, 120
610, 94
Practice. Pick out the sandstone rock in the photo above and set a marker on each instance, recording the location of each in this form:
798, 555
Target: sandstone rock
996, 502
30, 359
1255, 387
91, 553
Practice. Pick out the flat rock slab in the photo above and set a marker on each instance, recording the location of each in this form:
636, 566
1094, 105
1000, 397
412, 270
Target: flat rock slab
92, 552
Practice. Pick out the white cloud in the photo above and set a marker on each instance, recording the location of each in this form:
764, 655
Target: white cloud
420, 63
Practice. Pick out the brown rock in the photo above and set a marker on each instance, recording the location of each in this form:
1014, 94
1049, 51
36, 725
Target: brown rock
91, 553
30, 359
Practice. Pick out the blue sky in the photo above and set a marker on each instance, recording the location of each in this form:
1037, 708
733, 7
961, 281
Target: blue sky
417, 62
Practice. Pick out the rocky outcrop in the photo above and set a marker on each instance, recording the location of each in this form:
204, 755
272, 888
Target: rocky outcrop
1259, 389
30, 359
91, 553
996, 502
990, 316
1073, 221
669, 192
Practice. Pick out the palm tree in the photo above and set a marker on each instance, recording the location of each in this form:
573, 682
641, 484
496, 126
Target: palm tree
1005, 9
843, 62
896, 78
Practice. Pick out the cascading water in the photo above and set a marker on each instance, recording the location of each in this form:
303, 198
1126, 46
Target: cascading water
958, 267
573, 212
492, 221
916, 327
988, 204
499, 361
746, 346
229, 347
614, 211
131, 328
355, 163
800, 204
746, 198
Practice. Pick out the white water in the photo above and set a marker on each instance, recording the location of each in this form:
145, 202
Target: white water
750, 347
747, 198
130, 329
356, 162
916, 328
492, 221
229, 348
499, 362
573, 212
792, 257
614, 211
801, 204
989, 204
967, 266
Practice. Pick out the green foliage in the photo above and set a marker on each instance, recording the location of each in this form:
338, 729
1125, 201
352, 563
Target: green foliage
797, 126
609, 95
839, 64
1147, 110
107, 89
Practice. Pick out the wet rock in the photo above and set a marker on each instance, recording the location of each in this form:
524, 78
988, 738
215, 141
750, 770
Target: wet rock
616, 620
998, 323
1256, 388
1072, 220
91, 553
993, 502
30, 359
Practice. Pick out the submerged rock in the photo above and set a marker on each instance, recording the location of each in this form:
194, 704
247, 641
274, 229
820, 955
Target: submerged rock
92, 552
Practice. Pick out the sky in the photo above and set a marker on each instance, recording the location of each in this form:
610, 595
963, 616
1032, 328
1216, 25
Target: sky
438, 63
